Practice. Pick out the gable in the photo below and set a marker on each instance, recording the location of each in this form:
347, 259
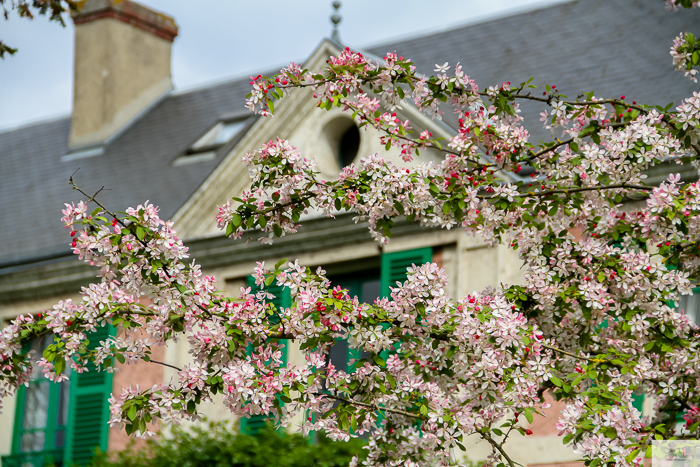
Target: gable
315, 133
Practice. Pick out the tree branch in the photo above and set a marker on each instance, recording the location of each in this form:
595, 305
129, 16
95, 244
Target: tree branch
375, 407
499, 448
165, 364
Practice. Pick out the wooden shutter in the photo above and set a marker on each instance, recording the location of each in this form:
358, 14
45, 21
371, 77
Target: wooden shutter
394, 266
283, 299
393, 270
88, 409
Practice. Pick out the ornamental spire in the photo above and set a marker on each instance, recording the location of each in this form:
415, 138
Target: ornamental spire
336, 19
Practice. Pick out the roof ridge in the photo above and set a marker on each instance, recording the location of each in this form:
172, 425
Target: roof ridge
43, 121
222, 81
481, 19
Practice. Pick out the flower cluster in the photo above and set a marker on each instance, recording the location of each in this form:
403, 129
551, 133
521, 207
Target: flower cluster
686, 55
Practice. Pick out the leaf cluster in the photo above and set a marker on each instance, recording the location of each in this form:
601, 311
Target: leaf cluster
221, 444
27, 9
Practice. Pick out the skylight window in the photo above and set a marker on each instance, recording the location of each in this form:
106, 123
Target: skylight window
221, 133
206, 146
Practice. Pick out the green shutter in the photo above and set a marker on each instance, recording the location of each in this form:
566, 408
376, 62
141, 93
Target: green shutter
394, 266
393, 270
638, 402
88, 414
283, 299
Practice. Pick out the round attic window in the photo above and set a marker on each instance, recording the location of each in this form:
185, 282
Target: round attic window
343, 139
348, 146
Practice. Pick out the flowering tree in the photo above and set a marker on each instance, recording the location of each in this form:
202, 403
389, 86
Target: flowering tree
606, 259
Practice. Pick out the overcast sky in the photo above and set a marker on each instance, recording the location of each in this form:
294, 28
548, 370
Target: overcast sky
222, 39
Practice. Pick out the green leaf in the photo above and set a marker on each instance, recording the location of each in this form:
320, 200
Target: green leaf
59, 366
271, 105
277, 230
236, 220
378, 360
131, 413
280, 263
424, 409
120, 358
140, 233
229, 229
528, 414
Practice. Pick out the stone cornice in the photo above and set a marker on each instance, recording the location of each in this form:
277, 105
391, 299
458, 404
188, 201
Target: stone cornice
64, 276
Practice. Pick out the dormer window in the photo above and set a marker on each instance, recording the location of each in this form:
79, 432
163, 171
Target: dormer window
221, 133
206, 146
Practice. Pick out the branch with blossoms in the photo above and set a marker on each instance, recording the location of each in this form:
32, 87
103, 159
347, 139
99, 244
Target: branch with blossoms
594, 321
686, 55
232, 345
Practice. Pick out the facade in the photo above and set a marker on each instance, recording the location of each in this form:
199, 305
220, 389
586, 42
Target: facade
131, 133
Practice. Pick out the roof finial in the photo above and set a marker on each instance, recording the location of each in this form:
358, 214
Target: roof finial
336, 19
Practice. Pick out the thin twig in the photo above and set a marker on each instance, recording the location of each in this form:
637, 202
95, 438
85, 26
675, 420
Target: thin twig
165, 364
375, 407
568, 353
567, 191
114, 216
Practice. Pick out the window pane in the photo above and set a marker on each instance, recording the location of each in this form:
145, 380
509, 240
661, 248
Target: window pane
36, 405
690, 304
228, 131
62, 415
60, 440
339, 355
220, 134
370, 291
32, 441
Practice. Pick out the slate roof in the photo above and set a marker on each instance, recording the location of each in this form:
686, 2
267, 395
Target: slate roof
611, 46
136, 166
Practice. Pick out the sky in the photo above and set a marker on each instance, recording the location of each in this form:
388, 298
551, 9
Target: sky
222, 39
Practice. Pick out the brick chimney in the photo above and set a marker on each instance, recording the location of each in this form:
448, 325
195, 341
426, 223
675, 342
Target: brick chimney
122, 67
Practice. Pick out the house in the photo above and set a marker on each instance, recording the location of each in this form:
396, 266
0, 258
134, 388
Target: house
132, 134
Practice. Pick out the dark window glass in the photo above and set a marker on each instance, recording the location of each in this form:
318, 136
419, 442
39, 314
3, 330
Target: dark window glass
62, 415
60, 439
349, 145
44, 411
371, 290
